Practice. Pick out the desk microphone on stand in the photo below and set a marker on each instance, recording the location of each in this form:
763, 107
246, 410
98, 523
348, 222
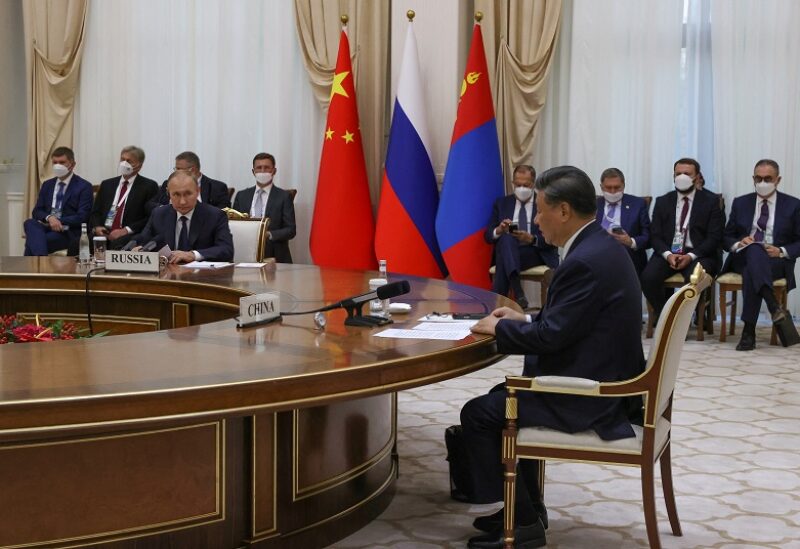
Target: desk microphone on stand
353, 305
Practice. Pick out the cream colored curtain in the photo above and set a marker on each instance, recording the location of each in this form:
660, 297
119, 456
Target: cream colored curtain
520, 38
54, 38
318, 28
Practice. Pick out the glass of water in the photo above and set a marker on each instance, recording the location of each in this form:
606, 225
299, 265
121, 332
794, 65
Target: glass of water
99, 249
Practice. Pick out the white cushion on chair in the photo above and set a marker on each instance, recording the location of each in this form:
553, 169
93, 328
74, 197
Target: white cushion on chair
550, 438
677, 278
539, 270
736, 278
248, 238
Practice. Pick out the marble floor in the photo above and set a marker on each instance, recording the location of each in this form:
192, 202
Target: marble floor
736, 463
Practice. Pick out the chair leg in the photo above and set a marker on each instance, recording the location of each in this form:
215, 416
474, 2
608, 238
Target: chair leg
701, 316
781, 298
723, 314
712, 310
650, 327
509, 494
669, 494
649, 502
734, 298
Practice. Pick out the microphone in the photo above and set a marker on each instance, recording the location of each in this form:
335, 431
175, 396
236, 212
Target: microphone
129, 246
150, 246
353, 304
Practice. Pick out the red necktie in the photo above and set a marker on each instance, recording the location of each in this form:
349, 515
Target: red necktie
684, 212
117, 223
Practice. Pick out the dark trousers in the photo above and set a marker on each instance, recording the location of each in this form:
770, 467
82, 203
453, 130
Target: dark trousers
758, 270
510, 259
482, 421
41, 240
658, 270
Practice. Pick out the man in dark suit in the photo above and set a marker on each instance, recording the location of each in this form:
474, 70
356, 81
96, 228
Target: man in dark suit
518, 243
686, 229
624, 216
266, 200
589, 327
763, 238
119, 208
194, 231
212, 192
63, 205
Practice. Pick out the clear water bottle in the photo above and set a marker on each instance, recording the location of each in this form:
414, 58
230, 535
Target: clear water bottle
383, 275
83, 246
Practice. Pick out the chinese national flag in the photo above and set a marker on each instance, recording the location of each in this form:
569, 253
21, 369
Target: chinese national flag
343, 227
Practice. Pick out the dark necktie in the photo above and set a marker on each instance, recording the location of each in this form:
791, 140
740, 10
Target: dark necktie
761, 224
183, 237
123, 194
522, 221
608, 219
60, 195
684, 213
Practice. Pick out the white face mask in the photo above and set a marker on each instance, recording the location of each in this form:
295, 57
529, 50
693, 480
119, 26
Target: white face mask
683, 182
612, 198
765, 188
60, 170
125, 169
264, 178
523, 194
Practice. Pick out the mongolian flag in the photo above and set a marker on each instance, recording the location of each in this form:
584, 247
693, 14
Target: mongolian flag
406, 235
343, 228
473, 179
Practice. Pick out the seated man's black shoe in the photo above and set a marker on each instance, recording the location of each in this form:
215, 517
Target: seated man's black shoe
784, 326
747, 342
525, 537
490, 523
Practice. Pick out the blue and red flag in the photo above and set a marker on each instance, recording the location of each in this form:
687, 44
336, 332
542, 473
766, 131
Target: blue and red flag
405, 236
473, 179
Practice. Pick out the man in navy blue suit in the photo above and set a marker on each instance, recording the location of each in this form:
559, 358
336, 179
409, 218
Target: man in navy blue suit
589, 327
624, 216
212, 191
686, 229
64, 203
518, 243
194, 231
763, 236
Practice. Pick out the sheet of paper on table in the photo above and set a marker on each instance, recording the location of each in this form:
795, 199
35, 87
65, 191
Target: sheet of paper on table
448, 335
206, 264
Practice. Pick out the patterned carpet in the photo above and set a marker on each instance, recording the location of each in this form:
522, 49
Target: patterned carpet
736, 463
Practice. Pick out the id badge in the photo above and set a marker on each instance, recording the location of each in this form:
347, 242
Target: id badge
112, 213
677, 243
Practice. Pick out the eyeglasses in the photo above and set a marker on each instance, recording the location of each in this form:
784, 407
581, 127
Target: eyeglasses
759, 179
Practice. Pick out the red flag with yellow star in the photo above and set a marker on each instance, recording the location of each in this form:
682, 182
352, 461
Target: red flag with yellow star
343, 227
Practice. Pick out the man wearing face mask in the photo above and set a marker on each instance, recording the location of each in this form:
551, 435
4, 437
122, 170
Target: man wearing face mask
119, 208
686, 229
266, 200
212, 192
624, 216
763, 236
63, 205
518, 243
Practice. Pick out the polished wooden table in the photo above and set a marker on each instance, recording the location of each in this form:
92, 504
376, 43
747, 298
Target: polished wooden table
186, 431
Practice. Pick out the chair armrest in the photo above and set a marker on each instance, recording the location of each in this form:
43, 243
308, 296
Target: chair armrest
555, 384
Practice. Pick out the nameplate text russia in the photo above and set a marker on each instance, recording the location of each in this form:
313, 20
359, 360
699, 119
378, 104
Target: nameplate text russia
140, 262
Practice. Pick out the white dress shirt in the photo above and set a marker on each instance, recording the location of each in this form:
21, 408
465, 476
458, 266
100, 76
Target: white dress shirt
266, 190
687, 240
515, 218
114, 204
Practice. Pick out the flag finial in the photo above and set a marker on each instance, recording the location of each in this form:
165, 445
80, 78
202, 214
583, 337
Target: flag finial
478, 16
344, 19
410, 14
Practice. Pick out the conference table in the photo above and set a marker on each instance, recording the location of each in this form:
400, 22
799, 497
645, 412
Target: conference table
179, 429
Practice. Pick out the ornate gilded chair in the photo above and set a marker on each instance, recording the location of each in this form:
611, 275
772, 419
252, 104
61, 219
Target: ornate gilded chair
652, 441
732, 282
249, 236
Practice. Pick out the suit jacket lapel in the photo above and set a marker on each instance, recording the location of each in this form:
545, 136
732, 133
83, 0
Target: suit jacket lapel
172, 222
625, 213
195, 226
271, 200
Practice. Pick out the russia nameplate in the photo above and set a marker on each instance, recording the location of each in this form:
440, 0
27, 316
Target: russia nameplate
140, 262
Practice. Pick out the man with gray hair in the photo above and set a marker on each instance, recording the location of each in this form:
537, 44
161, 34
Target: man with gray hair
590, 327
119, 207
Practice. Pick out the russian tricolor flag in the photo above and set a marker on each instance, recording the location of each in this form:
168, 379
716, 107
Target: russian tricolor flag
405, 236
473, 179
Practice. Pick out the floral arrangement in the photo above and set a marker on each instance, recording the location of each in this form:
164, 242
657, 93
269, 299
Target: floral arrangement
14, 330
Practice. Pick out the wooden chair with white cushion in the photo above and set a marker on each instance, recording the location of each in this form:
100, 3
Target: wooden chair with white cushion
703, 324
732, 282
652, 441
249, 238
540, 274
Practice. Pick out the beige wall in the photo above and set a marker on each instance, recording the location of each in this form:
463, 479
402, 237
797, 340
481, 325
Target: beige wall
13, 120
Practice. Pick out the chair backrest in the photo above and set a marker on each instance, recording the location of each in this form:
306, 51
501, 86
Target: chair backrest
249, 238
231, 190
648, 200
292, 193
670, 334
